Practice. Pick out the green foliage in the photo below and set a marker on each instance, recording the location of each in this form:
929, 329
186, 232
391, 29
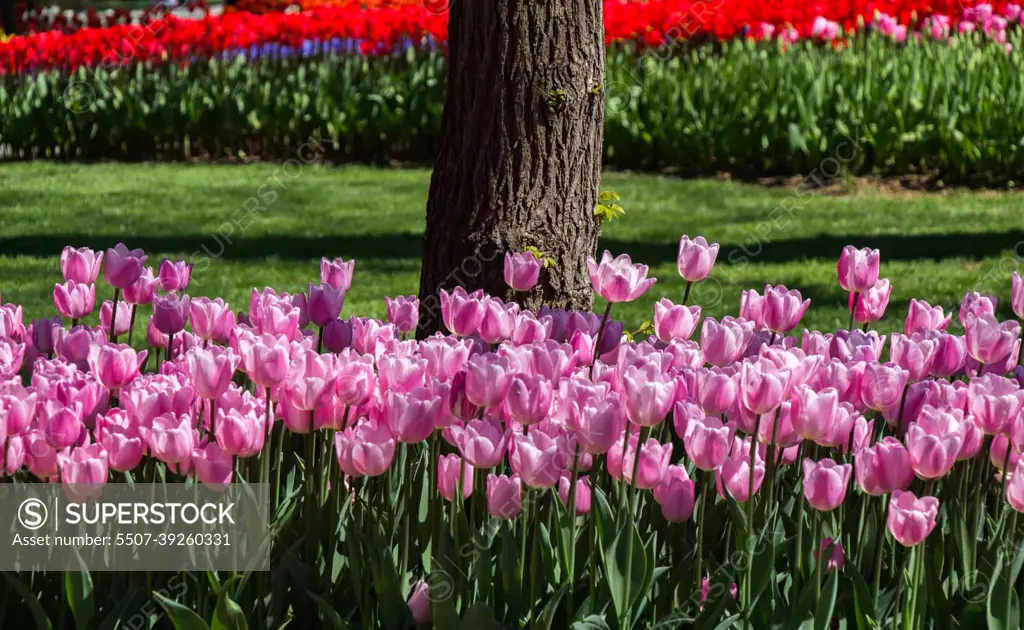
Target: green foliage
738, 106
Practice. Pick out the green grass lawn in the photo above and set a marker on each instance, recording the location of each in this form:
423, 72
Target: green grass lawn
934, 246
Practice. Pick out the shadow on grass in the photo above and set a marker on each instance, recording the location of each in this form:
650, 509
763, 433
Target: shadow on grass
410, 245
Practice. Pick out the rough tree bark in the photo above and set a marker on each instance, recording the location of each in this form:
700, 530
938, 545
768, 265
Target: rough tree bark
519, 161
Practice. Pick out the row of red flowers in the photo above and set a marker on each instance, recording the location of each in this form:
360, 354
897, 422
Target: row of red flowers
381, 30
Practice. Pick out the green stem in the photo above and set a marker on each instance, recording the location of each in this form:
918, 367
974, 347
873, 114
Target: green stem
644, 432
571, 569
702, 518
597, 343
750, 543
907, 553
131, 324
853, 309
309, 492
819, 522
879, 548
686, 293
113, 316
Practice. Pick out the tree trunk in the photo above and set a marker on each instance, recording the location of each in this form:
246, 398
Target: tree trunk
519, 161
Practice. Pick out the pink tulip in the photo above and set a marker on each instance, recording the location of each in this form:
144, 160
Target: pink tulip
825, 483
871, 304
653, 464
356, 380
814, 413
734, 475
265, 359
522, 270
403, 313
1015, 488
858, 269
122, 321
529, 399
836, 558
12, 355
41, 455
1017, 295
977, 304
716, 390
85, 471
212, 370
539, 458
783, 308
337, 335
884, 467
43, 335
241, 430
856, 345
213, 466
80, 265
419, 602
723, 343
618, 279
498, 320
504, 496
74, 300
777, 428
17, 408
483, 443
123, 266
488, 379
696, 258
675, 494
707, 443
914, 354
115, 365
988, 340
152, 395
1003, 454
174, 276
649, 394
673, 322
949, 355
527, 328
923, 317
324, 304
995, 402
337, 273
170, 438
974, 439
373, 448
882, 386
411, 416
311, 378
143, 290
583, 495
211, 319
934, 441
170, 313
462, 312
448, 468
911, 519
598, 423
752, 307
763, 386
401, 374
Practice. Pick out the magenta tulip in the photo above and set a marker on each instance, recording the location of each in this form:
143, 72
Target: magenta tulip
504, 496
783, 308
123, 266
858, 269
675, 494
324, 304
522, 270
825, 483
74, 300
949, 355
911, 519
80, 265
448, 469
337, 273
923, 317
618, 279
695, 258
674, 322
170, 313
143, 290
174, 276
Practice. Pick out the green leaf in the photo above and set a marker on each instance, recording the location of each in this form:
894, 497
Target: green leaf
30, 600
617, 563
80, 596
228, 615
827, 602
181, 617
1003, 603
480, 617
328, 615
547, 615
590, 622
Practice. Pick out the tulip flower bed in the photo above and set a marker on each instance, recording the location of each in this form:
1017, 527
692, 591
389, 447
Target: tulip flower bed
779, 101
540, 469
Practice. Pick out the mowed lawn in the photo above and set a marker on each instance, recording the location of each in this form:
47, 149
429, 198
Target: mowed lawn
934, 246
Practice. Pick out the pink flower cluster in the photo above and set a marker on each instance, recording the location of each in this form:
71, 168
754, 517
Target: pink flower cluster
534, 398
